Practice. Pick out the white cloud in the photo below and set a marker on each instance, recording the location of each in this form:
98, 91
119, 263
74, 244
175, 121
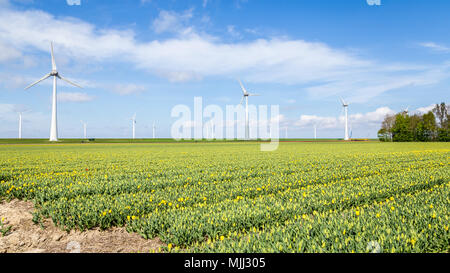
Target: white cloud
435, 47
370, 119
8, 53
170, 21
74, 97
233, 32
127, 89
191, 56
426, 109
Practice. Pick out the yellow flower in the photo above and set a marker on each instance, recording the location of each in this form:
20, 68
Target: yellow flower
128, 217
169, 246
357, 213
392, 208
222, 237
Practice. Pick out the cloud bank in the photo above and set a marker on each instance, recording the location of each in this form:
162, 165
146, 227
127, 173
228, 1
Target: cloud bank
187, 55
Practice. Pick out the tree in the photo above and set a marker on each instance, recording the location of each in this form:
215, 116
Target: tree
414, 121
387, 125
383, 135
403, 127
429, 125
401, 130
442, 113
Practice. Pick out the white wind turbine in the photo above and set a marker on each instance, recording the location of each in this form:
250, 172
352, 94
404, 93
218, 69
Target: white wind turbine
20, 125
406, 110
154, 130
245, 96
133, 120
345, 105
315, 131
84, 128
54, 73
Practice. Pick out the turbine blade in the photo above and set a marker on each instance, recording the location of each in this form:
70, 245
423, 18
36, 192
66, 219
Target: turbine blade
38, 81
53, 57
254, 95
342, 100
242, 87
66, 80
242, 100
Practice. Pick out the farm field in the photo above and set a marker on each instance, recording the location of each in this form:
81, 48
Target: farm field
231, 197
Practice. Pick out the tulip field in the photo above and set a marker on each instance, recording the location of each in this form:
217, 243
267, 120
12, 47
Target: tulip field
231, 197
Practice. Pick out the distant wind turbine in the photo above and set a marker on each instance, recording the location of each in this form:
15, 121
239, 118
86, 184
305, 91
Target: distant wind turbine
54, 73
154, 130
315, 131
245, 96
345, 105
133, 121
84, 129
406, 110
20, 125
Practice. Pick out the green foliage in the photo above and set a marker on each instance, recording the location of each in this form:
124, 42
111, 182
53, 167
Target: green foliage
4, 230
401, 130
405, 128
383, 135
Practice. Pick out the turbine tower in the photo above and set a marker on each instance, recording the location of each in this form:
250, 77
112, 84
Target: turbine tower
245, 96
54, 73
315, 131
20, 125
345, 105
133, 120
84, 129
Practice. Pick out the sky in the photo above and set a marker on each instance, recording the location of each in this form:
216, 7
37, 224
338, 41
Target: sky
147, 56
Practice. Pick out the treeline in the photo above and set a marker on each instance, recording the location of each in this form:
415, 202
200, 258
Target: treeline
432, 126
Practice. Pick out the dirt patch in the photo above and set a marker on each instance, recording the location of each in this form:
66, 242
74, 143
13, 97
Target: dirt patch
26, 236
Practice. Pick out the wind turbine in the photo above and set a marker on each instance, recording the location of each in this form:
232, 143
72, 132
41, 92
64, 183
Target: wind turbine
245, 96
133, 120
20, 125
54, 73
406, 110
345, 105
84, 128
154, 130
315, 131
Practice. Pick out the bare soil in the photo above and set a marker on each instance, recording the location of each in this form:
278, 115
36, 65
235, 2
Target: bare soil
26, 236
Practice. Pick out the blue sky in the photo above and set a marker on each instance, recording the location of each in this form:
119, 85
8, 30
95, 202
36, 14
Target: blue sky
148, 56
